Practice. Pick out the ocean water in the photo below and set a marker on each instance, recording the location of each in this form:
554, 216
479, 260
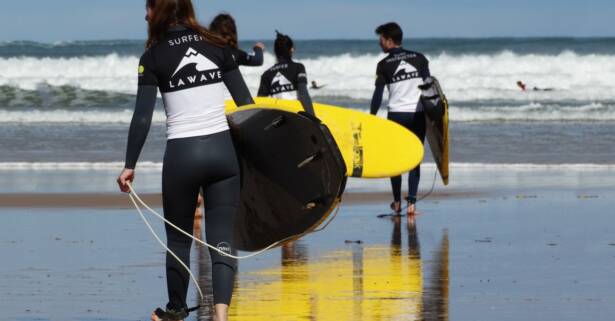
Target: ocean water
72, 101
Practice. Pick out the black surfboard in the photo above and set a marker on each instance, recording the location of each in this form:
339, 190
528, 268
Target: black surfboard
436, 124
293, 175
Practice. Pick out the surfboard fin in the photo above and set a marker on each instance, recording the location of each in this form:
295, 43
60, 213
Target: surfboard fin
320, 200
310, 159
276, 123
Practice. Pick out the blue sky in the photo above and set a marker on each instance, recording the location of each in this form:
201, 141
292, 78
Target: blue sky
59, 20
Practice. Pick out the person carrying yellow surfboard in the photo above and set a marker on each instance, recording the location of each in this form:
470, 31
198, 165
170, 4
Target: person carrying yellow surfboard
286, 79
402, 71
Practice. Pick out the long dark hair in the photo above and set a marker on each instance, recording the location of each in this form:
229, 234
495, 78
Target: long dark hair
283, 46
224, 26
171, 12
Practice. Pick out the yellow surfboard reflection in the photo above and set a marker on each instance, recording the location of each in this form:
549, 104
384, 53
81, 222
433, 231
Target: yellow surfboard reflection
356, 283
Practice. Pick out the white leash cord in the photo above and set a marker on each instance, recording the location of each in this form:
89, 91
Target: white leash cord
134, 194
165, 247
134, 197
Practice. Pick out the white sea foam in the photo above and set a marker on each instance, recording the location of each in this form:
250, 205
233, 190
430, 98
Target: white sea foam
532, 112
464, 77
480, 87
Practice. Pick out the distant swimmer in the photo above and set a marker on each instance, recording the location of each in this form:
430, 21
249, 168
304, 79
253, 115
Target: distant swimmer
191, 67
523, 87
402, 72
286, 79
224, 25
316, 86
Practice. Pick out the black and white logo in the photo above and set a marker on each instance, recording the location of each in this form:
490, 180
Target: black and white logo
194, 57
224, 247
405, 71
404, 67
280, 83
280, 80
202, 72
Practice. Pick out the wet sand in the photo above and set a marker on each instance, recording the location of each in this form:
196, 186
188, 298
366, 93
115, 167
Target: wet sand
481, 254
118, 200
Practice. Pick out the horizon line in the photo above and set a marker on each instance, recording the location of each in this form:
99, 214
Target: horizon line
342, 39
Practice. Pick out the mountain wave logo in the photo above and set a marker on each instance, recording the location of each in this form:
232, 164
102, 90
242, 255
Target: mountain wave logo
194, 57
405, 67
280, 80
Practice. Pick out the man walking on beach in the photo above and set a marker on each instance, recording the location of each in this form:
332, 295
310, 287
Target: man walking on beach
402, 72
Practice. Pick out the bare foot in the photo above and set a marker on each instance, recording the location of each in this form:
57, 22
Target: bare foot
396, 207
220, 312
411, 211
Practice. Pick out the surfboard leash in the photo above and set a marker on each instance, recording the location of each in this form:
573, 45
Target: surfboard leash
422, 197
136, 200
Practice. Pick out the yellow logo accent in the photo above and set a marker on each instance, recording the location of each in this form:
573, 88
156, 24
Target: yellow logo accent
141, 69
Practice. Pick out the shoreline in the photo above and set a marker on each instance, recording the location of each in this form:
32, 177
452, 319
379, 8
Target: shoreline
120, 201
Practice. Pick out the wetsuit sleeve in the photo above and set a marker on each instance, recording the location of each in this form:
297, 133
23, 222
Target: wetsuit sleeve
302, 92
144, 110
378, 92
241, 57
237, 87
377, 99
303, 96
147, 77
140, 124
229, 63
263, 89
301, 74
234, 80
255, 59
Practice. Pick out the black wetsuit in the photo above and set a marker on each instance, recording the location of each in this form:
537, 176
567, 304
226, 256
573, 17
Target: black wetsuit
287, 80
402, 71
245, 59
191, 75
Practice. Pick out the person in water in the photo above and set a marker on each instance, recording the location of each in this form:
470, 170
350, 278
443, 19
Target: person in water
286, 79
191, 67
316, 86
523, 87
224, 25
402, 72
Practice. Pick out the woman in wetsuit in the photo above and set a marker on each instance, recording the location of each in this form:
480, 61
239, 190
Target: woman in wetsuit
191, 67
224, 25
286, 79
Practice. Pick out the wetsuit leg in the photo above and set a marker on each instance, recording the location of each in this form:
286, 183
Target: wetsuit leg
404, 120
189, 164
417, 126
180, 188
222, 192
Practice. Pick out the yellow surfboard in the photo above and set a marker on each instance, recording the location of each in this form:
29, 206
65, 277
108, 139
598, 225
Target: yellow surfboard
372, 147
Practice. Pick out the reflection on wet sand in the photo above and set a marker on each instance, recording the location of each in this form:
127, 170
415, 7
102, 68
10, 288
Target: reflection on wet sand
435, 293
373, 282
204, 278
